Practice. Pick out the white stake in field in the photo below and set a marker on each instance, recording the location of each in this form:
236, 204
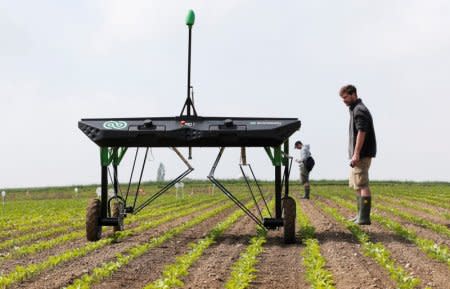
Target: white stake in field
3, 198
179, 186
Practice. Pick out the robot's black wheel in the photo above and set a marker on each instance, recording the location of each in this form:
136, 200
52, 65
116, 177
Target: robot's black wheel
93, 228
117, 212
289, 209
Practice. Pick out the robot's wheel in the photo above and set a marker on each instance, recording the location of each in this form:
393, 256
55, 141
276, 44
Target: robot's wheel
117, 212
93, 228
289, 209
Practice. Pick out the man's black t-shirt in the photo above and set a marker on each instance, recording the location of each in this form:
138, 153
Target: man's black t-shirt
361, 119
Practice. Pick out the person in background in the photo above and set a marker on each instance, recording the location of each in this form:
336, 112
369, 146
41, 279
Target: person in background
304, 164
362, 148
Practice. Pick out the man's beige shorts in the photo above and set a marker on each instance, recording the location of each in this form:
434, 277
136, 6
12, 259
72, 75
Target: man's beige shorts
359, 174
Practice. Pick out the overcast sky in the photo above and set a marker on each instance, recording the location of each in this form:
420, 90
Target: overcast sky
61, 61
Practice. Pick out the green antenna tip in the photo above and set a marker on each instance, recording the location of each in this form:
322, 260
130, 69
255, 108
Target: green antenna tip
190, 18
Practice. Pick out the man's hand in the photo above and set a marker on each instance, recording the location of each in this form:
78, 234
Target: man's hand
355, 159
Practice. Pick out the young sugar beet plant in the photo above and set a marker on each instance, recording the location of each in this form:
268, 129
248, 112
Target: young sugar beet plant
429, 247
314, 262
375, 251
21, 273
243, 270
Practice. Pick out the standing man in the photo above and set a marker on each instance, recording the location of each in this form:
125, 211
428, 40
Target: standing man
305, 166
362, 148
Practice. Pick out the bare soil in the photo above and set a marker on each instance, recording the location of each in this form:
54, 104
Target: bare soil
213, 268
280, 265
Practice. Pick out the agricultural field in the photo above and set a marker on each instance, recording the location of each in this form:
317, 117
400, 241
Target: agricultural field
202, 240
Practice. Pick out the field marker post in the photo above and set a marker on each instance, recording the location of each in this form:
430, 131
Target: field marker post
3, 199
98, 192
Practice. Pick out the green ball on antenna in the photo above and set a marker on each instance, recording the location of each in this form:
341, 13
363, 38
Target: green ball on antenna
190, 18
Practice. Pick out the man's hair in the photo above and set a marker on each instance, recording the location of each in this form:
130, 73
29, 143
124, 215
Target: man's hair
348, 89
298, 143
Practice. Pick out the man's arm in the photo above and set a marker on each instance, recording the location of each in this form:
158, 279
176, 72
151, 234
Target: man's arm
360, 137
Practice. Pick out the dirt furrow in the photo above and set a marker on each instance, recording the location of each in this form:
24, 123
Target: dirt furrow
149, 266
350, 268
64, 274
213, 268
280, 265
431, 272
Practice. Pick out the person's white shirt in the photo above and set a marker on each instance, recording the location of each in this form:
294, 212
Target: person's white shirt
304, 154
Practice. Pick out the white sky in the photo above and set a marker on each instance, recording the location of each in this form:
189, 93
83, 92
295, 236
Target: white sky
65, 60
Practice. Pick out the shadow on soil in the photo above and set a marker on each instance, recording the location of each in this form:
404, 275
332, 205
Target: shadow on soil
339, 236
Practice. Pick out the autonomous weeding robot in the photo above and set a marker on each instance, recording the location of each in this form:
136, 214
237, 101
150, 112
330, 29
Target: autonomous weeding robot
116, 136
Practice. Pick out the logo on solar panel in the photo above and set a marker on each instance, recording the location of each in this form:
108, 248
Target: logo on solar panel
115, 124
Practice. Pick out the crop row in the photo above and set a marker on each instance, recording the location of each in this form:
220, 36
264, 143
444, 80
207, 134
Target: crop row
61, 226
27, 215
435, 251
243, 271
122, 259
47, 244
59, 212
424, 199
69, 219
21, 273
438, 228
440, 192
413, 205
173, 273
375, 251
313, 261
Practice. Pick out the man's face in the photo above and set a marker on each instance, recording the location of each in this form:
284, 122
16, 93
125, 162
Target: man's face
348, 99
299, 146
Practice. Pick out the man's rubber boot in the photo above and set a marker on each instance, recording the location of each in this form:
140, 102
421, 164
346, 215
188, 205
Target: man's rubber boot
358, 205
364, 216
306, 196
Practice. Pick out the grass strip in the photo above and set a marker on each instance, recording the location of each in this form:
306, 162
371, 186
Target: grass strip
376, 251
122, 259
314, 262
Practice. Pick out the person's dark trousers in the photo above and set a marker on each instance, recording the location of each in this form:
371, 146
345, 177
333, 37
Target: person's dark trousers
306, 196
364, 212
